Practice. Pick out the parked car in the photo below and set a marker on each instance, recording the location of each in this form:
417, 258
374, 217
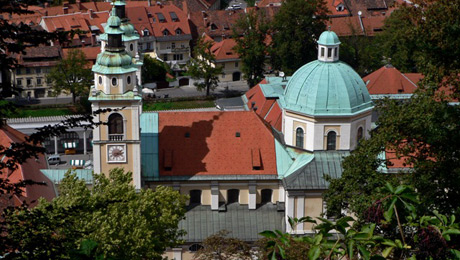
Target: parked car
54, 159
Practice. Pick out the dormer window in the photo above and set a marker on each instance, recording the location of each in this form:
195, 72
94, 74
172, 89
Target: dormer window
174, 17
340, 8
165, 32
161, 18
146, 32
178, 31
213, 27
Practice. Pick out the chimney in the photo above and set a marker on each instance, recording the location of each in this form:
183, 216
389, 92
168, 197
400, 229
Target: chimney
78, 2
46, 5
91, 13
65, 8
149, 3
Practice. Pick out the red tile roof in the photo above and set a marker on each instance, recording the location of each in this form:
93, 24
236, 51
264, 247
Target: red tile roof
90, 53
224, 50
213, 147
389, 80
215, 23
74, 21
149, 18
268, 109
30, 170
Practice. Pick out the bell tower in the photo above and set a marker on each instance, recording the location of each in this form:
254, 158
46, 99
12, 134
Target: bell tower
116, 143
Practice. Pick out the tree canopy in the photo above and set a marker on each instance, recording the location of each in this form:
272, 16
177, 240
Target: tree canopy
153, 70
421, 132
72, 75
252, 45
202, 67
296, 27
125, 223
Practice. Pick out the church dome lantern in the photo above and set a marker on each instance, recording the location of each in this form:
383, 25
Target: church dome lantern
327, 86
328, 46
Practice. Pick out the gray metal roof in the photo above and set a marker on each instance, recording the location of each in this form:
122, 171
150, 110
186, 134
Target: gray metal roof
201, 222
232, 177
230, 103
311, 176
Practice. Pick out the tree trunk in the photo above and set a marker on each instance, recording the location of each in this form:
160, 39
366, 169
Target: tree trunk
207, 89
73, 98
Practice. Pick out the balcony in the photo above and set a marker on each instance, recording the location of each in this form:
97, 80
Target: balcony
174, 50
116, 137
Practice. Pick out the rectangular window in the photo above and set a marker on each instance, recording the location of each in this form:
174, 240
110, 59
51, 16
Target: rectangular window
165, 57
18, 71
29, 82
19, 82
236, 64
322, 52
27, 70
38, 70
329, 52
335, 52
173, 45
178, 57
39, 81
148, 46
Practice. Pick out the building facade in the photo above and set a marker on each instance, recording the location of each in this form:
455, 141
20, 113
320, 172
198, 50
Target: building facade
245, 171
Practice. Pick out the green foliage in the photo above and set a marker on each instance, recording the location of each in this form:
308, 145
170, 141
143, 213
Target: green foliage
153, 70
296, 27
420, 237
72, 75
397, 41
252, 47
202, 66
361, 53
220, 246
125, 223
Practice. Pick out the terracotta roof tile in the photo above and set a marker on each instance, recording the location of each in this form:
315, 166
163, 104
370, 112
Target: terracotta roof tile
389, 80
30, 170
268, 109
223, 50
207, 143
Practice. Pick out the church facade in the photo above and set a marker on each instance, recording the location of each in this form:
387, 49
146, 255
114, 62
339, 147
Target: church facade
245, 171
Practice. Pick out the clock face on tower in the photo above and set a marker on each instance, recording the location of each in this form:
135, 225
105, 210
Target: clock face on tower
116, 153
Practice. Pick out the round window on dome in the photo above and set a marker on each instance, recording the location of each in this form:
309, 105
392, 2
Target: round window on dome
100, 80
114, 82
129, 80
131, 47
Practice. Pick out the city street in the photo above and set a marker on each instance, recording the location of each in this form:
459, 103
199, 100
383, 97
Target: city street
223, 90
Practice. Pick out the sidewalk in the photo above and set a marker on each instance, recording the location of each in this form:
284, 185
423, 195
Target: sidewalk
224, 89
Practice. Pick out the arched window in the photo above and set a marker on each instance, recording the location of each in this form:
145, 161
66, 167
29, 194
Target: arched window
115, 127
146, 32
195, 247
131, 47
299, 134
331, 140
100, 80
128, 80
114, 82
178, 31
233, 196
359, 136
165, 32
195, 197
266, 195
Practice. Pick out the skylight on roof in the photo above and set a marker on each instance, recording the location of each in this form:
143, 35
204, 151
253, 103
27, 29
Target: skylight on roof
161, 18
174, 16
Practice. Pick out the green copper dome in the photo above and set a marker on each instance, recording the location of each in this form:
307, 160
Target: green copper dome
114, 63
328, 38
326, 89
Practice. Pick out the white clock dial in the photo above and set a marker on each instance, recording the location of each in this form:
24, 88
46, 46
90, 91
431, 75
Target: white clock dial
117, 153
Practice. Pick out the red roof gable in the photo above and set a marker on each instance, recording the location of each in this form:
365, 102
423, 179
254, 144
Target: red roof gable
30, 170
215, 143
224, 50
389, 80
